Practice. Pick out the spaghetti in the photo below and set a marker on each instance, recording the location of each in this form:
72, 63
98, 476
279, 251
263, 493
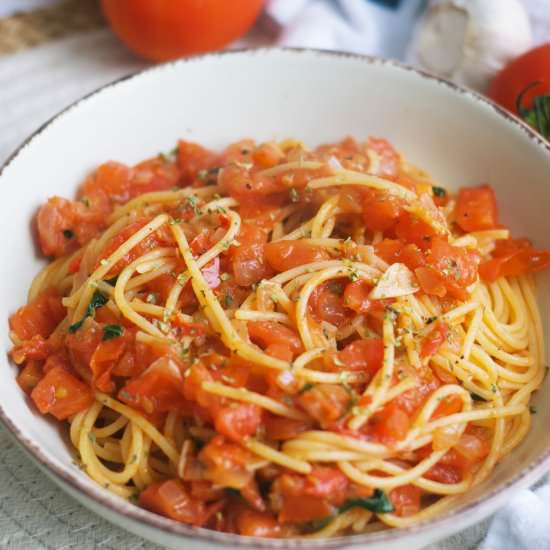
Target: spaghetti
277, 341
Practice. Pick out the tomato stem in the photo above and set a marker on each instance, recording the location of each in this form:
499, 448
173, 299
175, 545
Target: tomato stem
538, 117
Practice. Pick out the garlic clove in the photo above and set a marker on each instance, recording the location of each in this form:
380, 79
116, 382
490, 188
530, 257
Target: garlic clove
398, 280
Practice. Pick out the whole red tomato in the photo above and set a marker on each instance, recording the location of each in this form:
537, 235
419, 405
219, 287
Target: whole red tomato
523, 87
166, 29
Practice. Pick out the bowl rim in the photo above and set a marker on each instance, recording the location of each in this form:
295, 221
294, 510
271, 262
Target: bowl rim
113, 506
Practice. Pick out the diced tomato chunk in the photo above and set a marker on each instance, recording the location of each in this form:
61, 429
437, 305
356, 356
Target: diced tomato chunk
356, 296
278, 428
381, 210
248, 259
171, 499
40, 317
158, 389
390, 424
434, 340
265, 333
29, 376
252, 523
192, 158
237, 421
284, 255
413, 230
362, 355
61, 394
444, 473
388, 157
55, 223
325, 402
476, 208
406, 500
328, 304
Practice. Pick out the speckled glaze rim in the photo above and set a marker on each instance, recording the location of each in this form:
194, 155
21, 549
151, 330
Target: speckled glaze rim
446, 524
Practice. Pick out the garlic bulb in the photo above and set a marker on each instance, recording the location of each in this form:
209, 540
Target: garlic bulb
469, 41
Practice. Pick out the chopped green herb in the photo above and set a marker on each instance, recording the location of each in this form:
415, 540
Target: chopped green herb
378, 503
439, 191
476, 397
112, 331
98, 300
306, 387
170, 156
112, 281
68, 233
228, 300
533, 409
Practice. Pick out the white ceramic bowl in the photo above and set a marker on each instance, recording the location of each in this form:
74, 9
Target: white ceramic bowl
318, 97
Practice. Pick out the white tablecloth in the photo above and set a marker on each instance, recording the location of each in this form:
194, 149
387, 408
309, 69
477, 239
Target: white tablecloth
34, 85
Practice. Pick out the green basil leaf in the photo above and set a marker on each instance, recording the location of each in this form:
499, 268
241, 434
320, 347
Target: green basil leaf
378, 503
112, 331
98, 300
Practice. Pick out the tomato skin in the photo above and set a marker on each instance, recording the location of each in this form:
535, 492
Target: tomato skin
533, 66
238, 421
266, 333
160, 30
434, 340
61, 394
171, 499
285, 255
476, 208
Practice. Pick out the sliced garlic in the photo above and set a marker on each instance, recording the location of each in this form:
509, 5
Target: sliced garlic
398, 280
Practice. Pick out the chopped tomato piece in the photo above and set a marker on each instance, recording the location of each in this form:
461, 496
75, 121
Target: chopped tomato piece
247, 259
457, 265
40, 317
61, 394
278, 428
284, 255
304, 508
257, 524
103, 360
388, 156
226, 463
265, 333
36, 349
390, 424
476, 208
280, 351
158, 389
267, 155
406, 500
325, 402
513, 257
238, 421
171, 499
192, 159
444, 473
55, 224
356, 296
413, 230
29, 376
362, 355
431, 281
325, 304
434, 340
395, 251
381, 210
